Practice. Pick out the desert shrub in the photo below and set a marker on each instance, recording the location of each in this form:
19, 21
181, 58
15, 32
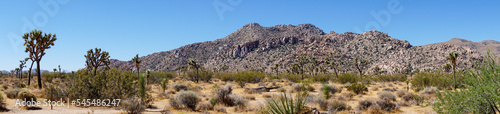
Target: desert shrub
178, 87
287, 105
412, 98
2, 104
336, 106
133, 105
301, 86
248, 77
213, 101
391, 78
387, 105
400, 93
323, 77
12, 93
387, 96
55, 92
329, 89
19, 85
323, 104
349, 77
157, 76
26, 96
204, 106
428, 79
220, 108
293, 77
224, 76
345, 96
206, 75
106, 84
429, 90
365, 104
186, 99
238, 101
357, 88
225, 96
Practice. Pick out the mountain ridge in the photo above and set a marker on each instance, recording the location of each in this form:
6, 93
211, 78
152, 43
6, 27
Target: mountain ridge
254, 47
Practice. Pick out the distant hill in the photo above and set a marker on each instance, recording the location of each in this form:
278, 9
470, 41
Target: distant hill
482, 46
259, 48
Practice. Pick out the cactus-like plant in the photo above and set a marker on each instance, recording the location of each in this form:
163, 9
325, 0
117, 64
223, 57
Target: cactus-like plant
164, 84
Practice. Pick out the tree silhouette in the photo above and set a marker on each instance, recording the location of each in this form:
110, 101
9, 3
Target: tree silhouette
195, 65
452, 57
302, 61
95, 58
21, 66
36, 43
137, 62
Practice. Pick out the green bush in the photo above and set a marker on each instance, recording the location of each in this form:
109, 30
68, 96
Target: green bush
323, 77
204, 75
391, 78
481, 95
287, 105
248, 77
428, 79
55, 92
357, 88
329, 89
107, 84
293, 77
349, 78
155, 77
224, 76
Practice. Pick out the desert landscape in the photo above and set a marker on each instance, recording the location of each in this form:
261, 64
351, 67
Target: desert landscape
249, 57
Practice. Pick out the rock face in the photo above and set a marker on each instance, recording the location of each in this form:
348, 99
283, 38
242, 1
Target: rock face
254, 47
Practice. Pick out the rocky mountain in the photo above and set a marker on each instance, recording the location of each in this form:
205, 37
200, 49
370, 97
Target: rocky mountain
260, 48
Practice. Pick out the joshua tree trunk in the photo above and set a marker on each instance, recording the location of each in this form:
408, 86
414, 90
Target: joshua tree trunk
29, 73
197, 75
455, 83
39, 75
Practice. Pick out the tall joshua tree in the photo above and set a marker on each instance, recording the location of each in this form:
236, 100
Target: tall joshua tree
195, 65
21, 66
36, 43
276, 68
137, 62
95, 59
452, 57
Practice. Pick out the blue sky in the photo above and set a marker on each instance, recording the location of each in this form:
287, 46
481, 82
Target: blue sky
125, 28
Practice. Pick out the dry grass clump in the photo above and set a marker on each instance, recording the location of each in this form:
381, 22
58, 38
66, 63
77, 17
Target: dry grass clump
412, 98
345, 96
185, 99
204, 106
220, 108
335, 106
179, 87
133, 105
387, 96
375, 105
429, 90
12, 93
400, 93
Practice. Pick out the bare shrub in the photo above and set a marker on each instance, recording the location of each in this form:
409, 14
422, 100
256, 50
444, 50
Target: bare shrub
413, 98
204, 106
179, 87
387, 105
345, 96
387, 96
187, 99
400, 93
336, 106
133, 105
365, 104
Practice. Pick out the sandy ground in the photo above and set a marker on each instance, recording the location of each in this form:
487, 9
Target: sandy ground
206, 91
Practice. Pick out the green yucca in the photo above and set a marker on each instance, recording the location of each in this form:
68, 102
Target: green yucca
164, 84
287, 105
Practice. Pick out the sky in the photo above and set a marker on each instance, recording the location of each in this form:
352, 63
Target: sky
125, 28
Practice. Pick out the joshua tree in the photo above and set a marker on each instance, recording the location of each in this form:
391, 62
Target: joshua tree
36, 43
29, 71
360, 64
302, 61
276, 68
447, 67
16, 72
314, 64
452, 57
334, 65
21, 66
195, 65
137, 62
96, 58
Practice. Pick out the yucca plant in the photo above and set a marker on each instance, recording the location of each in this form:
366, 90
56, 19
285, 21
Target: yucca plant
164, 84
287, 105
